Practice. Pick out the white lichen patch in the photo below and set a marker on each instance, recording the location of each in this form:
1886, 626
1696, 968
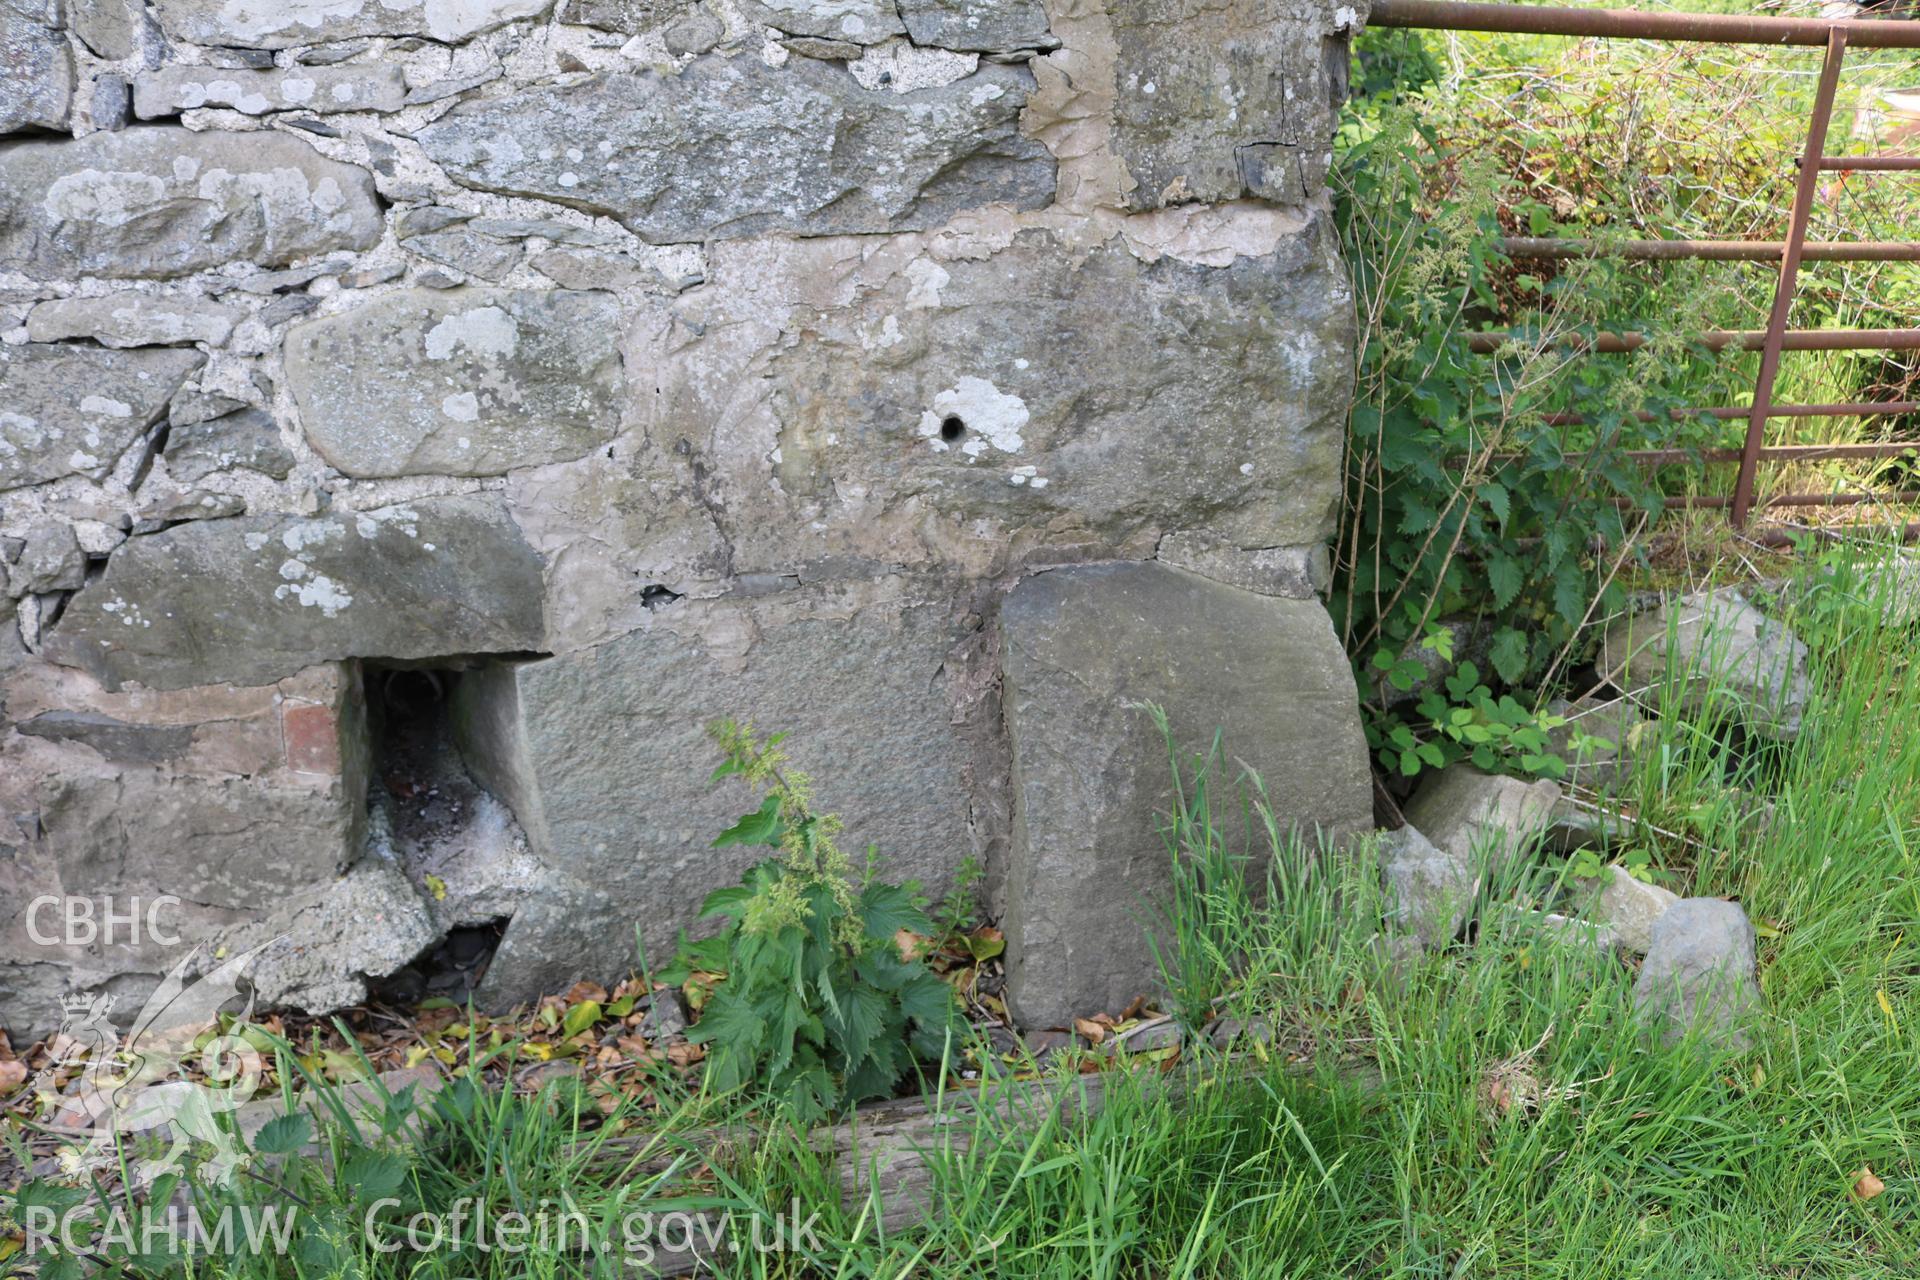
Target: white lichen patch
982, 414
482, 331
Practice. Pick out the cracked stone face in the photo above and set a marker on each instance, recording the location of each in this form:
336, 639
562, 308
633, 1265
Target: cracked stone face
1219, 100
732, 147
465, 382
73, 410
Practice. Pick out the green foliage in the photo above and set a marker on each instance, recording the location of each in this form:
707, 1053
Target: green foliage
820, 1007
1590, 864
1468, 722
957, 911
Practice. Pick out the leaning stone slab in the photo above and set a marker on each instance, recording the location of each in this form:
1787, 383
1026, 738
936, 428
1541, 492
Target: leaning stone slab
281, 24
1483, 817
36, 90
320, 90
168, 201
1429, 890
603, 755
982, 26
467, 382
1081, 649
252, 599
1699, 974
732, 147
1719, 649
73, 410
133, 320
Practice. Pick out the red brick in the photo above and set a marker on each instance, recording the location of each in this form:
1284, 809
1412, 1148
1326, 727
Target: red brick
312, 734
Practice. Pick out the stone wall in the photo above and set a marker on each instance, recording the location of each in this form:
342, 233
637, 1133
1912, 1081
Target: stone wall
933, 379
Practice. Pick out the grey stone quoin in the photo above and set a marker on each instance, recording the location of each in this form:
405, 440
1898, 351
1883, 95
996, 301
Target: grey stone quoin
936, 381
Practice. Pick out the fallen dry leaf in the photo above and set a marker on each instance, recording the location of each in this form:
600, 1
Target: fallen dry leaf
581, 992
1095, 1032
1866, 1186
909, 944
13, 1074
685, 1055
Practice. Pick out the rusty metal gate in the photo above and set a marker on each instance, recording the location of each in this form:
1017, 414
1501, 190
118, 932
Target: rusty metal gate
1835, 36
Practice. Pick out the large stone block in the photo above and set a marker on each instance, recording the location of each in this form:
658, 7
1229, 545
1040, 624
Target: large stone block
169, 201
604, 757
732, 147
467, 382
958, 406
252, 599
233, 801
1217, 100
1081, 649
73, 410
36, 89
280, 24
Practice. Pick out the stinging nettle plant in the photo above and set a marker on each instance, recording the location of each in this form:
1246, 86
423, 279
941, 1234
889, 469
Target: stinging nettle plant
821, 1006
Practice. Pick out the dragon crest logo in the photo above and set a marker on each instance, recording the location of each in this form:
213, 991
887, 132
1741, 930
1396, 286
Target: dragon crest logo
140, 1086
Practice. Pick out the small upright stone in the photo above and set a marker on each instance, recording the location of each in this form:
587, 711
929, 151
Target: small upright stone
1607, 728
1473, 815
1718, 649
1630, 907
1699, 973
1429, 889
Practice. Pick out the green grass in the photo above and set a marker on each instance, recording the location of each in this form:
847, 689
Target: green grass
1490, 1110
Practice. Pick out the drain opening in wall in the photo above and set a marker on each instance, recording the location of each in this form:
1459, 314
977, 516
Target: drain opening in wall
451, 970
455, 842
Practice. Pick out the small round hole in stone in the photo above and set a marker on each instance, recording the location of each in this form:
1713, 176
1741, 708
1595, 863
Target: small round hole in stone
952, 427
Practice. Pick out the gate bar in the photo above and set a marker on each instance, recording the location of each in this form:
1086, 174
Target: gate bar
1805, 188
1699, 28
1860, 409
1541, 247
1614, 344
